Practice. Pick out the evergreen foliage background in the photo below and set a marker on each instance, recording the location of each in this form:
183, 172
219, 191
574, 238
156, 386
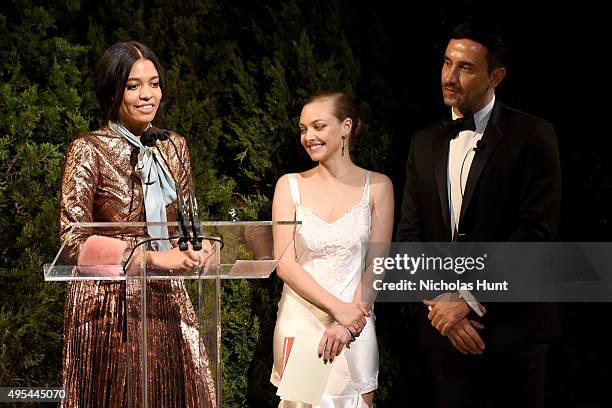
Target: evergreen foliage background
238, 73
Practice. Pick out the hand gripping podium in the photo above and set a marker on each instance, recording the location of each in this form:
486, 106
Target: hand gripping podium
156, 305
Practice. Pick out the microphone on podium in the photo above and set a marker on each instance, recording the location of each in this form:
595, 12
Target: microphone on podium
190, 212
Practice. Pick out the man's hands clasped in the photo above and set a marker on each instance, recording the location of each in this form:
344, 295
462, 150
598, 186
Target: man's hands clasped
448, 314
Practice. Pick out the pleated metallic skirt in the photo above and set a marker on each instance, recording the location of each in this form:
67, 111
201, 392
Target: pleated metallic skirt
103, 340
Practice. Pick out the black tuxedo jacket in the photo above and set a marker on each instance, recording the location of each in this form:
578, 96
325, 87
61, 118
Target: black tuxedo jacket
512, 193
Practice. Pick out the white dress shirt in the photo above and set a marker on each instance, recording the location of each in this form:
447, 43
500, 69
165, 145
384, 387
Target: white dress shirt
460, 157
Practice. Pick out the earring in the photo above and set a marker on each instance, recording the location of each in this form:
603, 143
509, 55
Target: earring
343, 137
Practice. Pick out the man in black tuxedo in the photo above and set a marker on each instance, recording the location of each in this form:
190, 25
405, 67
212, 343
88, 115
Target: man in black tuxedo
491, 174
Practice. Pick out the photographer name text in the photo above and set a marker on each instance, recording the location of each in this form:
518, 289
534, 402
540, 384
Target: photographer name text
441, 285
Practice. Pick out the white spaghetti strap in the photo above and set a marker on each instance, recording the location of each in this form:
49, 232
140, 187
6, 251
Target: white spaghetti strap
366, 188
295, 189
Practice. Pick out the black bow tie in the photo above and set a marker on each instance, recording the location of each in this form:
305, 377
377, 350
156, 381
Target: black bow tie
453, 127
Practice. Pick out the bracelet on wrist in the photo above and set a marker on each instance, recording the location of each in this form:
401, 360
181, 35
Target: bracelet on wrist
349, 334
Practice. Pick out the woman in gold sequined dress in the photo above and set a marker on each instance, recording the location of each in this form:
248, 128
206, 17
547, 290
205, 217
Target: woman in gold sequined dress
103, 181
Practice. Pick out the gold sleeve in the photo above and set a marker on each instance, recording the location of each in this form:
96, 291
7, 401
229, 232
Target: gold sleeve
80, 174
185, 182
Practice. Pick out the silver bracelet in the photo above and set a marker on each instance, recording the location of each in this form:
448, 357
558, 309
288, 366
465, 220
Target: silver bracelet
348, 332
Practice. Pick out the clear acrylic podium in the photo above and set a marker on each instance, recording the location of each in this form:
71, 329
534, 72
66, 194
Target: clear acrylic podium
240, 250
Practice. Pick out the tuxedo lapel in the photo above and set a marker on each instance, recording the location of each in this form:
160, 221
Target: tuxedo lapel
492, 136
440, 158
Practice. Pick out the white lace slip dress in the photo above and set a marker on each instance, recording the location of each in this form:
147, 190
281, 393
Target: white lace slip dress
333, 254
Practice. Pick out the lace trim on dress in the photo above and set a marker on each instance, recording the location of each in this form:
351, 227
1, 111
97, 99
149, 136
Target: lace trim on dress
368, 386
332, 246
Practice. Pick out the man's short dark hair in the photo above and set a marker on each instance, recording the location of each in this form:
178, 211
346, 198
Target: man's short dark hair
113, 71
497, 51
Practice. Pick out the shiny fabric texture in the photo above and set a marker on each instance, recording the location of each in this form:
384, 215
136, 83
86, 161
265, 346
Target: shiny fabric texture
102, 341
332, 254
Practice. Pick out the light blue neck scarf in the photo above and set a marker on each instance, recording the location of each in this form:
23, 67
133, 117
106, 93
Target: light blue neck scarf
157, 185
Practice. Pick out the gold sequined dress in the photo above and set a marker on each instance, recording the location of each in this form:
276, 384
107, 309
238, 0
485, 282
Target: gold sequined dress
101, 367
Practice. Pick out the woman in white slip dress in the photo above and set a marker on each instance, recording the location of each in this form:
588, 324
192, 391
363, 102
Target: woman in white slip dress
342, 207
